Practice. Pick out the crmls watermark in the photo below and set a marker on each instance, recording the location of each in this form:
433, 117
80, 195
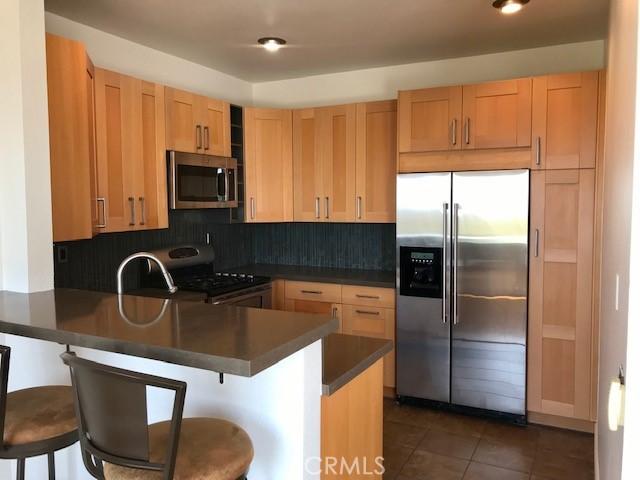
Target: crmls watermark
344, 466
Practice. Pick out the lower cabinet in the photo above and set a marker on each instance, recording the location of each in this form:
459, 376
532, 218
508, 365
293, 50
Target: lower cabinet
364, 311
561, 326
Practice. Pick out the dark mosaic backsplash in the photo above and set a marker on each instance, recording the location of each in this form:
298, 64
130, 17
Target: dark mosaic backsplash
92, 264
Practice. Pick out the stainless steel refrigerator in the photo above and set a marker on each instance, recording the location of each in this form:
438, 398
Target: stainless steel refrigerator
462, 263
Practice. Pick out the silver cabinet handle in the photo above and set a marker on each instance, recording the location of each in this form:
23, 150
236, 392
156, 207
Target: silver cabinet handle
536, 250
198, 137
326, 207
454, 260
206, 138
359, 208
367, 312
103, 201
538, 150
467, 130
445, 231
454, 131
142, 212
132, 205
314, 292
253, 208
334, 312
372, 297
317, 207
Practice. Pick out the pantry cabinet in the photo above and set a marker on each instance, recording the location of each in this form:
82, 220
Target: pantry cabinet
565, 118
376, 162
70, 89
560, 372
130, 125
197, 124
268, 165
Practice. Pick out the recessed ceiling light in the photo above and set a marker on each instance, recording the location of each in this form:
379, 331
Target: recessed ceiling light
272, 44
510, 6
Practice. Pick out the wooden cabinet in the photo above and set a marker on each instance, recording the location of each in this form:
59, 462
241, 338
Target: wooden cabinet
268, 165
376, 162
429, 119
197, 124
565, 118
324, 164
132, 183
497, 114
560, 373
71, 139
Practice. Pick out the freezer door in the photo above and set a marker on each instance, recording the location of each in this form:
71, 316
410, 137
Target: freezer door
490, 250
423, 333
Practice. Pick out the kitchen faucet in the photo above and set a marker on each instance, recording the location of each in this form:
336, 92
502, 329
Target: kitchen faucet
165, 273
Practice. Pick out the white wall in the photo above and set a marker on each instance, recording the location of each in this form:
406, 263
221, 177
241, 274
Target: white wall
115, 53
26, 236
383, 83
620, 151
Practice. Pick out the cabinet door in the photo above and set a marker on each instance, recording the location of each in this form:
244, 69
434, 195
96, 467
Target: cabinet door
337, 136
560, 292
373, 322
307, 167
376, 162
150, 177
333, 310
71, 139
216, 126
268, 165
97, 212
184, 129
429, 119
497, 114
116, 130
565, 118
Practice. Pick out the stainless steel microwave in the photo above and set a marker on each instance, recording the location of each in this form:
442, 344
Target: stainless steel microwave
202, 181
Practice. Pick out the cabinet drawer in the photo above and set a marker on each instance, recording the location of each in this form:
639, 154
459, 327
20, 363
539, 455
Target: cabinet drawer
368, 321
321, 292
369, 296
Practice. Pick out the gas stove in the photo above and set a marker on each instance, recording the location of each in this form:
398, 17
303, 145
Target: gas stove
192, 269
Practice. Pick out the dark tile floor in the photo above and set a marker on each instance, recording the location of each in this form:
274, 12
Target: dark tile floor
423, 444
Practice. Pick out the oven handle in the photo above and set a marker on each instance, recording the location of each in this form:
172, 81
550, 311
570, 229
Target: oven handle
242, 295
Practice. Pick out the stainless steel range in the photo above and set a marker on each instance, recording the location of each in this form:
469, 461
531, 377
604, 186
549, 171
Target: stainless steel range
192, 269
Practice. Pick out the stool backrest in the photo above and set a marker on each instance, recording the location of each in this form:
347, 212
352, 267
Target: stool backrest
5, 354
111, 408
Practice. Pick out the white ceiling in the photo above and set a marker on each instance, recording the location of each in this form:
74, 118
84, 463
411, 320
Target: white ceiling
334, 35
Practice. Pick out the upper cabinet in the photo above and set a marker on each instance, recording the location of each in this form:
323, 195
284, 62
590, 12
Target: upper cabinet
497, 114
307, 167
70, 85
429, 120
130, 126
268, 165
197, 124
376, 162
565, 117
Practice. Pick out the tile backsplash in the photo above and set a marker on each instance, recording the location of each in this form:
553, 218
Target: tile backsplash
92, 264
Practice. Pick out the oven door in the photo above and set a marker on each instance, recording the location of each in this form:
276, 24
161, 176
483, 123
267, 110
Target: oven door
255, 297
202, 181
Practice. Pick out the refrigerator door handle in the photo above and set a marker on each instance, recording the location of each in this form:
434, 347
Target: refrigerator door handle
454, 261
445, 217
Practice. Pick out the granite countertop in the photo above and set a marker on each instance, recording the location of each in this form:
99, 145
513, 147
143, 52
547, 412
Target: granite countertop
344, 357
368, 278
225, 339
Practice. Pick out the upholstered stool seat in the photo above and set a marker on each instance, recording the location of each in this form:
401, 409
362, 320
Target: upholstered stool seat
209, 449
39, 414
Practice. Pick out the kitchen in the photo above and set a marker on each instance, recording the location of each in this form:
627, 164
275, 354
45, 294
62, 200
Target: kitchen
445, 228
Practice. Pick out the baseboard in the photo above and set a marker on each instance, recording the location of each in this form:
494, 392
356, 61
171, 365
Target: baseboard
389, 392
561, 422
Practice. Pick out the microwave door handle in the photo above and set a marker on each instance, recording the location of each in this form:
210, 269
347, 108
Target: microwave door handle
227, 172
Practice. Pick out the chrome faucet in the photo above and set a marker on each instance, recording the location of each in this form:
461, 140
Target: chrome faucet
165, 273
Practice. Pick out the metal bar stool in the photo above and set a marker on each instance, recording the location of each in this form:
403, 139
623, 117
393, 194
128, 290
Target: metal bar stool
34, 421
118, 443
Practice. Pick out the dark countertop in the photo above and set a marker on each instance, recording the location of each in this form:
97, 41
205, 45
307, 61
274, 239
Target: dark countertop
233, 340
367, 278
344, 357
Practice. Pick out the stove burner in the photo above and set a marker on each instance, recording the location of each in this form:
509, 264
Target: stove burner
214, 284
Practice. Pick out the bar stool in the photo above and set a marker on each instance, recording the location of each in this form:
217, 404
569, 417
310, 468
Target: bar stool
118, 443
34, 421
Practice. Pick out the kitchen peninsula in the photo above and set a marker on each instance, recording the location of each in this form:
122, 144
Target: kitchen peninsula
272, 360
